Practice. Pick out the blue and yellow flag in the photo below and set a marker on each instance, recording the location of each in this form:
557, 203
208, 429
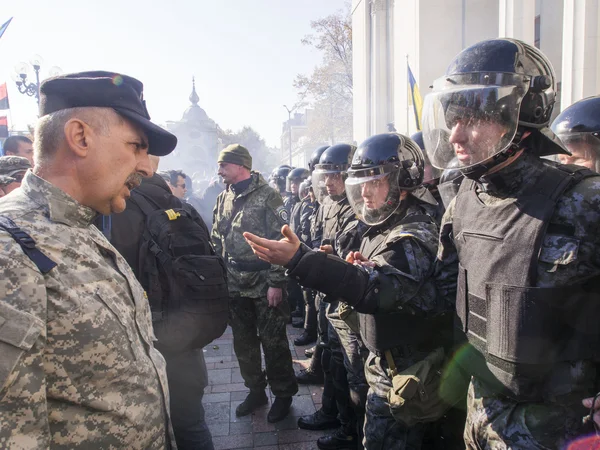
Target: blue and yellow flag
5, 26
417, 100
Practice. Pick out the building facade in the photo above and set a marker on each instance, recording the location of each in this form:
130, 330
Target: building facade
388, 35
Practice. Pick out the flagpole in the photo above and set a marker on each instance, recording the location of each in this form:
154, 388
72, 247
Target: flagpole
407, 97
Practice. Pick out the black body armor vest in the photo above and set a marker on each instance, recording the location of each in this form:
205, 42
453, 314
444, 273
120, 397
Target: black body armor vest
517, 333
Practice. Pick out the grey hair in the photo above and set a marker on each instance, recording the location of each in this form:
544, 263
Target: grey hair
49, 131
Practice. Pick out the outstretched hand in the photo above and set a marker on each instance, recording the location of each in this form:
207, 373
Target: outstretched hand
275, 252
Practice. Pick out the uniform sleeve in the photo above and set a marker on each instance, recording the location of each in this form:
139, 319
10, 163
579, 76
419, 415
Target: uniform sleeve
446, 265
215, 235
395, 281
23, 413
276, 217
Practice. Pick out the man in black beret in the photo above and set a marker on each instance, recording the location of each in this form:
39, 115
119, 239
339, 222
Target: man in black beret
78, 364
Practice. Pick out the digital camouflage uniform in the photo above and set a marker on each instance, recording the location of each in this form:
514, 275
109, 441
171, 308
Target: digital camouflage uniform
494, 421
78, 366
258, 209
400, 279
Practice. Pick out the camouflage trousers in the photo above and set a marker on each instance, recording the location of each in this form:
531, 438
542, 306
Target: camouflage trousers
382, 431
498, 423
254, 324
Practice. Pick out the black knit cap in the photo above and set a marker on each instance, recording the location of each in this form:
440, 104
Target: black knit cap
105, 90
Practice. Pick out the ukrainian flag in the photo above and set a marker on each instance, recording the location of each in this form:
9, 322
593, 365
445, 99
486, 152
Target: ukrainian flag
417, 100
5, 26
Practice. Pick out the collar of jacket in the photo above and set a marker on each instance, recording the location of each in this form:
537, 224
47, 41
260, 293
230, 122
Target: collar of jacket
257, 182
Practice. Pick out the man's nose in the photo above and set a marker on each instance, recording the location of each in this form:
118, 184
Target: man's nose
457, 135
144, 167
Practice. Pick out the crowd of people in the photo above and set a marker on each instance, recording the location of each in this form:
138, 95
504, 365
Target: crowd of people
449, 281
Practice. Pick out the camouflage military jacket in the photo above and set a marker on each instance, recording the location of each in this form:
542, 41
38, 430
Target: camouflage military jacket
259, 210
78, 366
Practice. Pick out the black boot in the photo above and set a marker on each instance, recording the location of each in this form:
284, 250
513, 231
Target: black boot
298, 323
318, 421
308, 352
254, 400
280, 409
338, 440
308, 376
305, 339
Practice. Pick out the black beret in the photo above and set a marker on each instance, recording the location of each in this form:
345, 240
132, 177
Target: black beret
105, 90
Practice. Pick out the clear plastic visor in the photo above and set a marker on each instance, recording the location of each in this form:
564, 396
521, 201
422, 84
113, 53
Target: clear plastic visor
467, 124
374, 198
584, 148
328, 182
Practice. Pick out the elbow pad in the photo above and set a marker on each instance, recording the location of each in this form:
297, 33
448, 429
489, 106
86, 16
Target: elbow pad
381, 295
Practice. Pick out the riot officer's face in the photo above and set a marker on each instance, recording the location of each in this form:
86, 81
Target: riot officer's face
473, 138
334, 183
295, 186
583, 154
375, 192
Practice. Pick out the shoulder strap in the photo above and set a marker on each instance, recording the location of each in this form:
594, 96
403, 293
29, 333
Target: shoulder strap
43, 263
146, 204
414, 218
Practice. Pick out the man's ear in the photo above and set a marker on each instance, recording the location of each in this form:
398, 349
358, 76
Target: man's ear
78, 136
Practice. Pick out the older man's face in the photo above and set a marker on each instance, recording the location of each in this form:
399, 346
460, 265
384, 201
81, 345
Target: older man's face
120, 158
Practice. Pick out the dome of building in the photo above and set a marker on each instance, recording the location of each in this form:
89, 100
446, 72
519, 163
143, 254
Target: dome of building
194, 113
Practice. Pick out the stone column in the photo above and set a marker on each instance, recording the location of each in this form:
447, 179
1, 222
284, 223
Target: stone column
381, 75
581, 48
361, 69
517, 20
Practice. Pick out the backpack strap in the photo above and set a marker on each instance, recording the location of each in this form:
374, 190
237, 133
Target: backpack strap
43, 263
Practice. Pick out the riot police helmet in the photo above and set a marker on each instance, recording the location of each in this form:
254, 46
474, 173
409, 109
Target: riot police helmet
432, 174
383, 166
305, 188
278, 177
315, 157
294, 178
493, 95
578, 127
329, 175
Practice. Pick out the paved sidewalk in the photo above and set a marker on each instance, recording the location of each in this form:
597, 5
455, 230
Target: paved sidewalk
226, 391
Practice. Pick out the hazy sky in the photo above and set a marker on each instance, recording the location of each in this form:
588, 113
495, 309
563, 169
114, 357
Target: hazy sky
244, 54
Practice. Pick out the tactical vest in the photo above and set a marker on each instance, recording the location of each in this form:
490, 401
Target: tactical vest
517, 333
407, 328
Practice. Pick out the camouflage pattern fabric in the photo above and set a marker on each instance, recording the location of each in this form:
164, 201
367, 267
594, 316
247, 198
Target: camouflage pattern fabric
494, 421
78, 366
259, 209
249, 315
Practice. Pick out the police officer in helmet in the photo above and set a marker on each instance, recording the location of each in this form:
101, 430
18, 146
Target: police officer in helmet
388, 281
578, 127
521, 238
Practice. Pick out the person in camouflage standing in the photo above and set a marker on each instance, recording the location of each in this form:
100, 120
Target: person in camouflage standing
388, 281
78, 367
521, 237
258, 310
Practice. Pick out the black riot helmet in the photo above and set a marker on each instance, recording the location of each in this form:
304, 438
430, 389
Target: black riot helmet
332, 167
578, 127
501, 87
297, 175
278, 177
315, 157
382, 167
432, 174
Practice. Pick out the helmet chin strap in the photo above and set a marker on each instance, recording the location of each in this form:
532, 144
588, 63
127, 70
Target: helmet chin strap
479, 170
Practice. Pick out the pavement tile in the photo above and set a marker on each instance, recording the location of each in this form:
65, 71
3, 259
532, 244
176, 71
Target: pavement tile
218, 359
217, 412
219, 350
227, 365
302, 405
219, 376
231, 387
231, 442
233, 418
293, 436
264, 439
268, 447
216, 398
240, 428
300, 446
219, 429
239, 395
236, 377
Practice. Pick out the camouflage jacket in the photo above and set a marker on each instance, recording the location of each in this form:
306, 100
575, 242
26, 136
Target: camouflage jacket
259, 210
78, 366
